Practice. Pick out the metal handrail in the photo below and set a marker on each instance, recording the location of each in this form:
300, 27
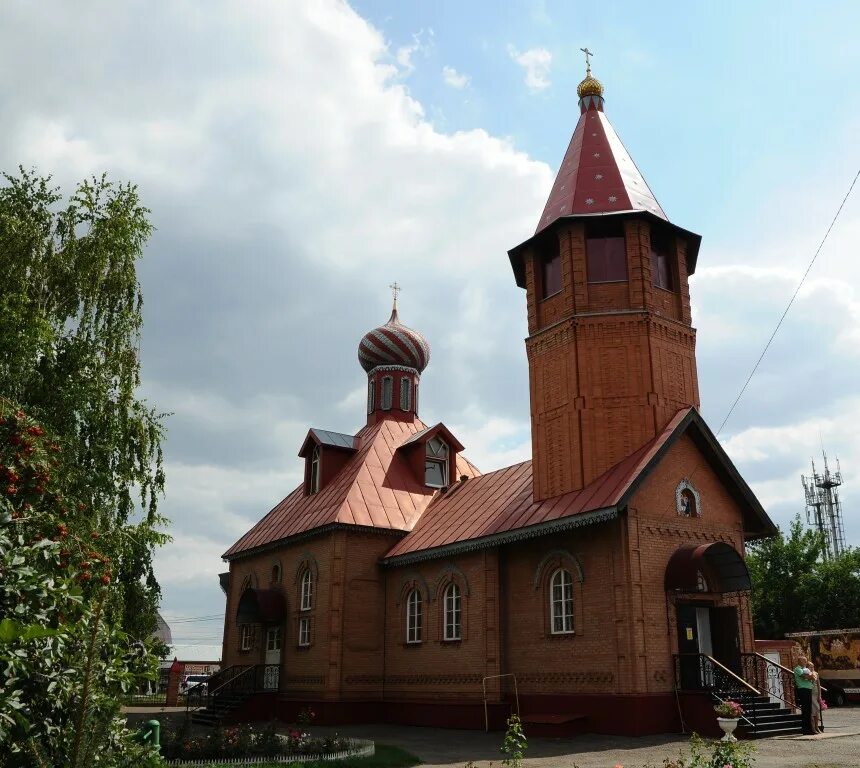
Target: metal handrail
732, 674
784, 669
231, 680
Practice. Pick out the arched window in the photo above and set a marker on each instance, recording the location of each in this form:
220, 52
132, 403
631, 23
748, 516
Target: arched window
415, 398
413, 617
453, 612
276, 574
436, 463
307, 593
371, 395
405, 394
561, 602
387, 392
687, 500
314, 474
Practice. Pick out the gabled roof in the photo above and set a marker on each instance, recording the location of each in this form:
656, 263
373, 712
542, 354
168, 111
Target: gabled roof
331, 439
430, 432
498, 507
376, 489
597, 175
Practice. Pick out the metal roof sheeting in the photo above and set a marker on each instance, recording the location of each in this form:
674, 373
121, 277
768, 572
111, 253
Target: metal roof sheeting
376, 488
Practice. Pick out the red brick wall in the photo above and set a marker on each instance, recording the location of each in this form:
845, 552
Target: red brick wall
609, 363
305, 670
593, 660
435, 668
655, 531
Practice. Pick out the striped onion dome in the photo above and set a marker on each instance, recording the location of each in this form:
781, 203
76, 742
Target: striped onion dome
393, 344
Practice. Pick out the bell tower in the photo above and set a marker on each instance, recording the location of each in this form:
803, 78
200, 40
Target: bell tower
611, 347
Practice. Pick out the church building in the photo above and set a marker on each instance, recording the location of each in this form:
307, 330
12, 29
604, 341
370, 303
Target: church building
398, 583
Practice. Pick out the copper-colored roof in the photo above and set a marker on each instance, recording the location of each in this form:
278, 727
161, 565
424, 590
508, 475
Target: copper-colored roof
487, 509
376, 488
597, 175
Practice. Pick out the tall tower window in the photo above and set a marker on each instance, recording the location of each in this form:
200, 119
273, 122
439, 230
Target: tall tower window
405, 394
436, 463
605, 252
453, 612
661, 262
561, 602
314, 475
387, 392
371, 395
550, 265
413, 617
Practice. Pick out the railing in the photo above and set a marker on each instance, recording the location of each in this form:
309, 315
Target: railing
700, 672
771, 678
238, 679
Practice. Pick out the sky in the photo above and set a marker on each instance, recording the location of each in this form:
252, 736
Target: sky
298, 157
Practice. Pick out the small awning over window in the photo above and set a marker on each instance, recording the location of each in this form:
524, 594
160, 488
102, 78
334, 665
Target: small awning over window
723, 567
261, 606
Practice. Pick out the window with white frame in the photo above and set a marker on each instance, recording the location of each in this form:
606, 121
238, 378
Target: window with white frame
247, 637
371, 395
413, 617
561, 602
453, 612
387, 392
305, 631
307, 596
314, 475
405, 394
436, 463
273, 639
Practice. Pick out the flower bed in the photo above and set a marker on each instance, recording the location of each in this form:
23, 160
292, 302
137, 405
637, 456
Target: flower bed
247, 745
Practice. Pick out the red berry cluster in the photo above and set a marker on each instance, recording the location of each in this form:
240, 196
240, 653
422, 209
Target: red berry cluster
26, 480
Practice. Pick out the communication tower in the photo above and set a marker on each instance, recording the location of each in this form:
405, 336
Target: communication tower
823, 508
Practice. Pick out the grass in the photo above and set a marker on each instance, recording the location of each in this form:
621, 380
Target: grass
386, 757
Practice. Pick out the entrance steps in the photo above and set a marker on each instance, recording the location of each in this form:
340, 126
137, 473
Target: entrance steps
219, 709
765, 718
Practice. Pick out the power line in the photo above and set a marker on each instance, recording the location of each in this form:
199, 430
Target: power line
788, 307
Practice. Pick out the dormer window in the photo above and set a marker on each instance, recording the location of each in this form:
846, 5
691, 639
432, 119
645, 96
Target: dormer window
314, 474
387, 392
436, 463
405, 394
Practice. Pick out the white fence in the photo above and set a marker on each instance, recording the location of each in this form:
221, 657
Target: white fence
357, 748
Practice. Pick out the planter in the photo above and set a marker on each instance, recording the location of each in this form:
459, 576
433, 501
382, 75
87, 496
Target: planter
728, 724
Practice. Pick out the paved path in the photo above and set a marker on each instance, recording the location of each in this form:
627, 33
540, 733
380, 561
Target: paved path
839, 747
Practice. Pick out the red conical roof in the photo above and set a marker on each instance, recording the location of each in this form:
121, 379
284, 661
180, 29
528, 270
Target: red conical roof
597, 174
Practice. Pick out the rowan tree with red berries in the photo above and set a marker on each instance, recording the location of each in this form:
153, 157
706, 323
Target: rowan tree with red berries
70, 322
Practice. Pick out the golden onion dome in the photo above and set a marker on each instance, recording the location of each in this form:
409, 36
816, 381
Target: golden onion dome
591, 86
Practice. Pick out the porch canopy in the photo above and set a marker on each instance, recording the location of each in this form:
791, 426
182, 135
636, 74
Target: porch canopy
261, 606
721, 564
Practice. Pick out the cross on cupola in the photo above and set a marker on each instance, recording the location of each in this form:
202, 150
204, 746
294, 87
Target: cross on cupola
395, 289
587, 60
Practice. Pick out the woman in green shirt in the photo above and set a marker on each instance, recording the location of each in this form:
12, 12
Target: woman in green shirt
804, 683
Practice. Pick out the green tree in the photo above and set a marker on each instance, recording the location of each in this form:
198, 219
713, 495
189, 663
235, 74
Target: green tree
70, 320
65, 661
795, 589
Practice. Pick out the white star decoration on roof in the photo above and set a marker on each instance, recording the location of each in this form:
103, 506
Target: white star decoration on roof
598, 176
612, 198
589, 201
597, 154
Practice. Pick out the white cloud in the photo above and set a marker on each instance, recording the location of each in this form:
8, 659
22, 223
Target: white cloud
536, 63
421, 43
454, 78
